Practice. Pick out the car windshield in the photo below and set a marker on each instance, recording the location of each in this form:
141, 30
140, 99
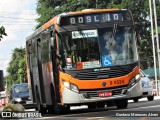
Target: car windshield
21, 89
142, 74
146, 82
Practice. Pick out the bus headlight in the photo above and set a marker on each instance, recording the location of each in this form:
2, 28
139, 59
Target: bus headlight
74, 88
134, 80
137, 77
70, 86
66, 84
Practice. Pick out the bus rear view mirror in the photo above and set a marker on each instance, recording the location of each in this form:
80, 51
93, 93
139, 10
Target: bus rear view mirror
52, 42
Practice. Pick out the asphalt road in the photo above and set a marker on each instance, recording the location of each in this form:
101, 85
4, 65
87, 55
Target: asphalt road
143, 110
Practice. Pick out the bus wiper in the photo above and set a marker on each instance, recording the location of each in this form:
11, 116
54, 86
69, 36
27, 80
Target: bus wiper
115, 30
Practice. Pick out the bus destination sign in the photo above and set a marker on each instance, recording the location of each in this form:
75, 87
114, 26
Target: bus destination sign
95, 18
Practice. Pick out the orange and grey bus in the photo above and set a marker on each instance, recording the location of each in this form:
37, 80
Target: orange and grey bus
87, 57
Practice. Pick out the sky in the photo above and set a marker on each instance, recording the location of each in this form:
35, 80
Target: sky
18, 18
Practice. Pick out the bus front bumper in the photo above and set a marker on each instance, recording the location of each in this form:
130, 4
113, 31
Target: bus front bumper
84, 97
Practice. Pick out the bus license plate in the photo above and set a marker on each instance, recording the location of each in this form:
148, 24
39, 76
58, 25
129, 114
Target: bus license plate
105, 94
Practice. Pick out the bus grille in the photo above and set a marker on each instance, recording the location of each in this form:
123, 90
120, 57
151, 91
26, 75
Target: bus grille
102, 73
93, 75
94, 93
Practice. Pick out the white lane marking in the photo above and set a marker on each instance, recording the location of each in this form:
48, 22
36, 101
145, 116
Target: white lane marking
140, 108
145, 107
145, 99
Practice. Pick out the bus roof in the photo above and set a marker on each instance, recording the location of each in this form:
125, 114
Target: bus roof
94, 11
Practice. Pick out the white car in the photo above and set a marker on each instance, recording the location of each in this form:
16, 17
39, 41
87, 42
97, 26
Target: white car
147, 88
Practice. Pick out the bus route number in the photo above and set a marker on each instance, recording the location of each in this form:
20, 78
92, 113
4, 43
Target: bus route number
97, 18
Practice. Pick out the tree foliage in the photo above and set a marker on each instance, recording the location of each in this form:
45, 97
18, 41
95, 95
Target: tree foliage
17, 67
2, 32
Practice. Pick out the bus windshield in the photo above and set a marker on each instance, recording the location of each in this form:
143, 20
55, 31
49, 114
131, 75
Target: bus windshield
98, 47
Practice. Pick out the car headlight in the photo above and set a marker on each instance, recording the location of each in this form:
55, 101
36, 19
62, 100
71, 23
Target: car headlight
146, 84
17, 99
29, 98
70, 86
149, 83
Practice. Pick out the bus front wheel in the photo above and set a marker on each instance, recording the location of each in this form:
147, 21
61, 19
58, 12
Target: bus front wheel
100, 104
92, 105
135, 100
122, 103
62, 109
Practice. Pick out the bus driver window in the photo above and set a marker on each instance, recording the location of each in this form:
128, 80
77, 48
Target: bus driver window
110, 46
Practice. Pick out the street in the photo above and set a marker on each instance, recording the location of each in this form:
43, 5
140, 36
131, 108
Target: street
143, 109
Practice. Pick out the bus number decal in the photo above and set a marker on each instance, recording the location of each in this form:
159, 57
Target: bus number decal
116, 82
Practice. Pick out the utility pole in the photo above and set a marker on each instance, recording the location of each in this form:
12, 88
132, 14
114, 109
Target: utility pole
154, 55
96, 4
157, 39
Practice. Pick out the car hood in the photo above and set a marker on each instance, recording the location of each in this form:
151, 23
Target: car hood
145, 79
22, 95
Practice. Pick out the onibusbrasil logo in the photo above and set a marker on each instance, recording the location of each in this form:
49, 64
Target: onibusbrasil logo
18, 111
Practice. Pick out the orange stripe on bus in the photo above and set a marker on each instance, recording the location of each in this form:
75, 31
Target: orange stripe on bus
49, 23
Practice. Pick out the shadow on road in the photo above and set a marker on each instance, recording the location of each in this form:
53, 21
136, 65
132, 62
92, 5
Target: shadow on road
82, 112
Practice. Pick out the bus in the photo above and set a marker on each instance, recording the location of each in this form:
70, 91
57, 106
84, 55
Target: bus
87, 57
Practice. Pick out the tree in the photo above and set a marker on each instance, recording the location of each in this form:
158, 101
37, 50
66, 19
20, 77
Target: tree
2, 32
17, 67
47, 9
22, 75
